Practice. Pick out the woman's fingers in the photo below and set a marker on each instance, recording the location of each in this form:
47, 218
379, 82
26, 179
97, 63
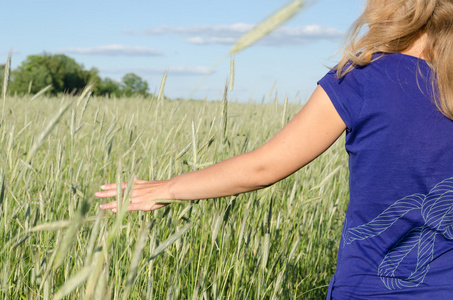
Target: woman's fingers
110, 205
136, 192
112, 186
106, 194
110, 190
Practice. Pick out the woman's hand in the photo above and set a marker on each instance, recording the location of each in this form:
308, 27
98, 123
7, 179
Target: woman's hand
141, 196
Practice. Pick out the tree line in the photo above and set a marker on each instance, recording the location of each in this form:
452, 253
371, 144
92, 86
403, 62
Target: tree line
64, 75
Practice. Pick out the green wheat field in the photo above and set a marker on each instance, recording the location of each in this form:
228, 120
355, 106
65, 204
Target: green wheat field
55, 242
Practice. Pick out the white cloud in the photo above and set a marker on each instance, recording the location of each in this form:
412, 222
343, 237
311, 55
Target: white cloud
228, 34
176, 70
209, 30
190, 70
211, 40
114, 50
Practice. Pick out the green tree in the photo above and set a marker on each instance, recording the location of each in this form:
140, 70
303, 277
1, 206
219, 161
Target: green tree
107, 87
92, 76
61, 71
133, 85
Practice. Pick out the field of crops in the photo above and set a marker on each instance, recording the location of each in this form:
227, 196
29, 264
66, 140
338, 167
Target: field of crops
280, 242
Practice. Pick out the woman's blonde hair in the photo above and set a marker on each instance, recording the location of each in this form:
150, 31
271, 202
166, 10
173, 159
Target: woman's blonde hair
394, 26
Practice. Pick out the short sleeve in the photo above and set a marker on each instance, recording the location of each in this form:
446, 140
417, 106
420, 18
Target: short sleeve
346, 94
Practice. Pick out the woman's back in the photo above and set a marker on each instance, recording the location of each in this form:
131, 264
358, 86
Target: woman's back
398, 228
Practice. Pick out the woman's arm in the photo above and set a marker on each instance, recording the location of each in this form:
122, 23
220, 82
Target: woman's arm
305, 137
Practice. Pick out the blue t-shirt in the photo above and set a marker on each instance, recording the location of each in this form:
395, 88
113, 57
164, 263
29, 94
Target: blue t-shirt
397, 238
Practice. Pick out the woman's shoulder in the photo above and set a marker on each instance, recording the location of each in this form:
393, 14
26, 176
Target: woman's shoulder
387, 68
398, 60
384, 59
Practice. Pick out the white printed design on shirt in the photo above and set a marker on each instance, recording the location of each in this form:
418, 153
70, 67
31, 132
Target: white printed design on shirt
436, 208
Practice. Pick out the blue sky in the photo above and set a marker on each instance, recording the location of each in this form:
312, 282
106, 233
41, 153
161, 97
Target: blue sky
186, 38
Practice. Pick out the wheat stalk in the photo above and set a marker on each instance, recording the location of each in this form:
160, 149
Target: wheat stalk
6, 81
136, 258
45, 133
164, 245
6, 76
70, 233
194, 147
231, 73
41, 92
160, 96
86, 94
74, 282
225, 110
267, 26
285, 111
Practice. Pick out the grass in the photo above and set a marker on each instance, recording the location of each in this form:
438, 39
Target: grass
280, 242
